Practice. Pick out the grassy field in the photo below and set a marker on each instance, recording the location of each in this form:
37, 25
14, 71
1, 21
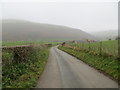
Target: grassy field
109, 48
14, 43
23, 74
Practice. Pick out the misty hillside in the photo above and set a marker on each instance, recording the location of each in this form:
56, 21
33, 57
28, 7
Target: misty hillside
105, 35
23, 30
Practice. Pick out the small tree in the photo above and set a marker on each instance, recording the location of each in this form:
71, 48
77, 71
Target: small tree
109, 38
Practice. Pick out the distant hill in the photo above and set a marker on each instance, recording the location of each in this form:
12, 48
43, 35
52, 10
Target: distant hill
105, 35
14, 30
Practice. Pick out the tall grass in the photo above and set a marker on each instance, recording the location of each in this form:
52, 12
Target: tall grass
26, 73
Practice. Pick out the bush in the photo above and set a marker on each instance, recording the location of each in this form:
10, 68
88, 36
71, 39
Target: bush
25, 73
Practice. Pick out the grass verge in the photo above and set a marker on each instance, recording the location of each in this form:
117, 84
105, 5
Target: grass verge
106, 65
25, 74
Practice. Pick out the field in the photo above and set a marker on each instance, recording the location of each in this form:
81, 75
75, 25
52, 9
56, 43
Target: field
22, 66
109, 48
14, 43
108, 62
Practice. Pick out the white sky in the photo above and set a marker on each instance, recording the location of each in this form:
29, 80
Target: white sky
95, 15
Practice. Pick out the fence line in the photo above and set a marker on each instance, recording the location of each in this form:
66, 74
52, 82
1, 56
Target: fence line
101, 48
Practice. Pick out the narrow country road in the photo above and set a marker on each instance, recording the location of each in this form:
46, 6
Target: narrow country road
65, 71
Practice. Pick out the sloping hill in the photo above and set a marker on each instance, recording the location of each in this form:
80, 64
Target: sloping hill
24, 30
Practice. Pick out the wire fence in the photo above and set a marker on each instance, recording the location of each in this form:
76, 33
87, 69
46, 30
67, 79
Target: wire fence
104, 48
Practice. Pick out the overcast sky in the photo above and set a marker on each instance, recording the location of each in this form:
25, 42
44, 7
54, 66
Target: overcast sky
88, 16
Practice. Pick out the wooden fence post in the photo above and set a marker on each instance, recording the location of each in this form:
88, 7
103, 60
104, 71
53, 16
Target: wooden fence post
119, 47
89, 46
101, 48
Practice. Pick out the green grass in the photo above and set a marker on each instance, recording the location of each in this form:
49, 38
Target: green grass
108, 65
108, 47
14, 43
7, 57
24, 74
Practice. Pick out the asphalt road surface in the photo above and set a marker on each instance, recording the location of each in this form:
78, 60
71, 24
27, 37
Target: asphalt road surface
65, 71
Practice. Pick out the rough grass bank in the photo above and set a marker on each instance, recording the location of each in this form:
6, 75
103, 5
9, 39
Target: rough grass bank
24, 74
108, 65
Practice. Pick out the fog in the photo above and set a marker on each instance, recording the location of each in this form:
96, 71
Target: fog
87, 16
